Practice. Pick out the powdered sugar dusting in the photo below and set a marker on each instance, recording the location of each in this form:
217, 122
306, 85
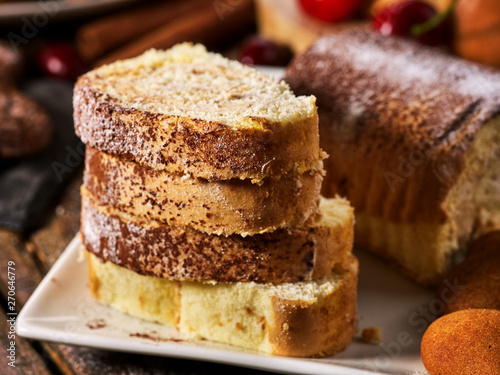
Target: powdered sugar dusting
409, 69
188, 81
392, 93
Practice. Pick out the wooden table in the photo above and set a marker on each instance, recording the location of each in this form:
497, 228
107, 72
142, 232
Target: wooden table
33, 256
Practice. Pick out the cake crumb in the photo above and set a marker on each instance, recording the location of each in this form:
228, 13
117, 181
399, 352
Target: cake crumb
371, 335
153, 336
96, 324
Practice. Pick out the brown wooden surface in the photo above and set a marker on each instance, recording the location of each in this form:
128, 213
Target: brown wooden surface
33, 255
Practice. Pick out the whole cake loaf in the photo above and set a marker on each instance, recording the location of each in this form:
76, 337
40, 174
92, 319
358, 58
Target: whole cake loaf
201, 204
413, 136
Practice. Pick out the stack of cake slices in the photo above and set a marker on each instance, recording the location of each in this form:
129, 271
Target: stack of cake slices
201, 206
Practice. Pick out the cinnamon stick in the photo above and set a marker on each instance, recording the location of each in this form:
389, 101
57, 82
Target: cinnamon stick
207, 24
99, 37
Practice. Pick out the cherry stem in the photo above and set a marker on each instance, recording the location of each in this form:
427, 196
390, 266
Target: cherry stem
422, 28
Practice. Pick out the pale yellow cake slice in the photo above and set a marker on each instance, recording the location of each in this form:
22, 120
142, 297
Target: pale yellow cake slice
314, 318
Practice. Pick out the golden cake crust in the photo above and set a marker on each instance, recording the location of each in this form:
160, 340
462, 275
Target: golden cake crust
317, 330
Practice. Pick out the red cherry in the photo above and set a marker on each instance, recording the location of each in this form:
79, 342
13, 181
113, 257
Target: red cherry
259, 51
400, 19
330, 10
60, 60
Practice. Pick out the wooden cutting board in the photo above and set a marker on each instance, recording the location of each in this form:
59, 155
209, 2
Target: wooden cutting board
283, 22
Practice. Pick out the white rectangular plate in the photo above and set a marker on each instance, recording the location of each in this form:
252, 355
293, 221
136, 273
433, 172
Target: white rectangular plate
62, 310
